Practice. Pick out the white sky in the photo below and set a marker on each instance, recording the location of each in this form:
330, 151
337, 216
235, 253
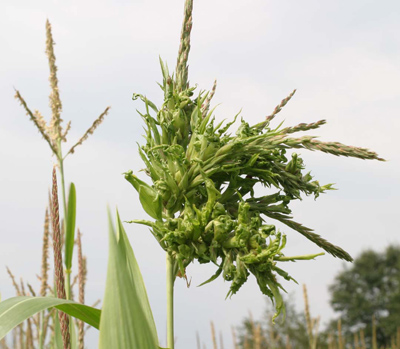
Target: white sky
342, 56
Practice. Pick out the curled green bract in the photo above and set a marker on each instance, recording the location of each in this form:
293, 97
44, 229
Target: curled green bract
203, 188
148, 196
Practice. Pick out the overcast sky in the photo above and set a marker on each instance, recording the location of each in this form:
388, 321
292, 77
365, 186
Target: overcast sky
343, 58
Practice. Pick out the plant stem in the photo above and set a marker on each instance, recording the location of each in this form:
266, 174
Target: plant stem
170, 301
61, 165
68, 284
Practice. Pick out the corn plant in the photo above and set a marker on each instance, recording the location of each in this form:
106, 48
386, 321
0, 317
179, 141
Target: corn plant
54, 134
202, 197
126, 321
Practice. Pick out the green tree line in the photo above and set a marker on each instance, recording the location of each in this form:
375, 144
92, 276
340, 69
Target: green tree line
366, 298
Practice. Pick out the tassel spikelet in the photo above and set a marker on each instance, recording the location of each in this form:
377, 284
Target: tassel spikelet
303, 127
23, 293
17, 289
277, 109
213, 336
40, 120
58, 264
82, 281
45, 256
65, 133
182, 68
54, 133
307, 314
206, 106
312, 323
280, 106
3, 344
55, 101
29, 334
31, 290
37, 121
90, 131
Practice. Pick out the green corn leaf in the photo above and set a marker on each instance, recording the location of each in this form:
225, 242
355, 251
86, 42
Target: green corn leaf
127, 321
212, 278
57, 337
137, 276
70, 227
298, 258
164, 69
148, 196
15, 310
279, 305
145, 100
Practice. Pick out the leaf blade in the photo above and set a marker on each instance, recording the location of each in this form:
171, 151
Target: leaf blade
70, 227
126, 321
15, 310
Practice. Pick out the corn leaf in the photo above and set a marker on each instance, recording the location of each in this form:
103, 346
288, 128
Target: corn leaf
15, 310
70, 228
212, 278
148, 196
127, 321
72, 334
57, 337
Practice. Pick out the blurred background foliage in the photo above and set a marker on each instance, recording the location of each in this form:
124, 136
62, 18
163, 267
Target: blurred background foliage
366, 297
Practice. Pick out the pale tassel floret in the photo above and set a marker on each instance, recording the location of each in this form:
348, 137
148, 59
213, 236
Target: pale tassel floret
45, 255
307, 314
82, 281
36, 318
40, 120
184, 48
64, 134
206, 106
214, 338
43, 131
17, 289
279, 107
55, 101
90, 131
53, 132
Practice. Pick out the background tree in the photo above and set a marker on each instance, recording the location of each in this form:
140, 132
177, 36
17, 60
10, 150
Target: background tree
370, 287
